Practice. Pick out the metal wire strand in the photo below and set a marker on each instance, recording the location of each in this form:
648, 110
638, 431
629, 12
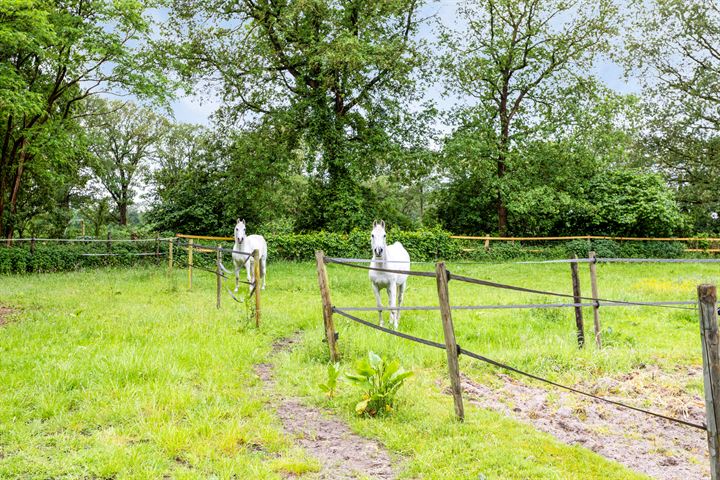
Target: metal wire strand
515, 370
488, 283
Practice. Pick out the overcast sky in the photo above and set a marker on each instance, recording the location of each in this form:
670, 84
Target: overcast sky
199, 108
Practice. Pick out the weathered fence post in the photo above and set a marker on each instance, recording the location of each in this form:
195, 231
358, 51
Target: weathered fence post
157, 246
256, 268
451, 346
32, 245
109, 242
576, 299
595, 295
219, 273
190, 263
170, 256
707, 299
327, 306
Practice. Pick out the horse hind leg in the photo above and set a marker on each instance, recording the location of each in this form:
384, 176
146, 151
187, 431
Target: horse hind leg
263, 270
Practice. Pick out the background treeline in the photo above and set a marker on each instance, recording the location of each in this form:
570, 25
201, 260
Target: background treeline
336, 112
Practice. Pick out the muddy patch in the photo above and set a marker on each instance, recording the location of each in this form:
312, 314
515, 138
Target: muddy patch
342, 454
650, 445
5, 313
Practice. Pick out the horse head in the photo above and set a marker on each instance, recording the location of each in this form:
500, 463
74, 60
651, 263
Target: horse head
240, 231
378, 239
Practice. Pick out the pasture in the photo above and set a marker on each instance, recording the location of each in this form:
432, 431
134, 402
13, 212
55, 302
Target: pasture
127, 374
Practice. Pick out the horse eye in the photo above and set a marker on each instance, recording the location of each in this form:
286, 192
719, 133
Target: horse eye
372, 235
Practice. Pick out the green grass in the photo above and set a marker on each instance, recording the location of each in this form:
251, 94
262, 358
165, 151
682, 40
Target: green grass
126, 374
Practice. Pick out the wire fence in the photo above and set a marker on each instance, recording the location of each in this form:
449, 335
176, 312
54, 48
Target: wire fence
462, 351
445, 308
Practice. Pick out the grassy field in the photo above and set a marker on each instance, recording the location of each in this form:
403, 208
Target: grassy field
127, 374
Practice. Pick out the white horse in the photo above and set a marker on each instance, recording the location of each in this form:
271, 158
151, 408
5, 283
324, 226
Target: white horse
248, 243
393, 257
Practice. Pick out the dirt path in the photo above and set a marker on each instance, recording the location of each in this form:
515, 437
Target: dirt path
5, 312
646, 444
343, 455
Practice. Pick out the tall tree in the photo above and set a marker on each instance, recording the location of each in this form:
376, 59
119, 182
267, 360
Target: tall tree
337, 71
516, 58
673, 49
124, 140
53, 55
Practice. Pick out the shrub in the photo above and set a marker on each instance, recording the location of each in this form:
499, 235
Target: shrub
380, 380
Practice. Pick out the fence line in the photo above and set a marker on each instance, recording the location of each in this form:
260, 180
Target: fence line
88, 240
129, 254
519, 306
488, 283
462, 351
586, 237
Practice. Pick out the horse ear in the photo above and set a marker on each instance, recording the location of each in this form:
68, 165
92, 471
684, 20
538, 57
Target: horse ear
238, 220
382, 224
374, 223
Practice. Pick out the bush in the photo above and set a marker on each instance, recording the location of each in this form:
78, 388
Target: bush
380, 380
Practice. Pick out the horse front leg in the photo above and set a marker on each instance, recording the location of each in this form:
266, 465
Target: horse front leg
237, 277
250, 269
378, 302
401, 295
392, 293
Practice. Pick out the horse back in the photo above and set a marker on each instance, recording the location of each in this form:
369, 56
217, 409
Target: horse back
256, 242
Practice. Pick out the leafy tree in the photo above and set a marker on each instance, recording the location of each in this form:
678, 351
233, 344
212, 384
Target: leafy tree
672, 48
516, 59
124, 139
54, 55
253, 175
340, 74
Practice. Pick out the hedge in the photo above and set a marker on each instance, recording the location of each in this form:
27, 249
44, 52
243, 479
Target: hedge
422, 245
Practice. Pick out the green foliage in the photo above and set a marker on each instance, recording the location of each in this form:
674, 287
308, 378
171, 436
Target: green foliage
380, 380
65, 257
422, 245
337, 77
333, 371
54, 56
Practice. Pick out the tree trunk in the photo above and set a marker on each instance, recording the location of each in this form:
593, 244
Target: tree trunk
10, 227
122, 209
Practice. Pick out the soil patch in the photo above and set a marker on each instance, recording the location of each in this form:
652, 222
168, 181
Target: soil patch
646, 444
5, 313
342, 454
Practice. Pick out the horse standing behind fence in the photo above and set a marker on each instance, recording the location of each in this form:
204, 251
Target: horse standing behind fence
392, 257
248, 243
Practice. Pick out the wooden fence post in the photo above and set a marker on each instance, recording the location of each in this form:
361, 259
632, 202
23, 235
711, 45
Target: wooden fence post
327, 306
576, 299
190, 263
451, 347
596, 303
32, 245
256, 267
219, 273
109, 242
157, 246
170, 256
707, 299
